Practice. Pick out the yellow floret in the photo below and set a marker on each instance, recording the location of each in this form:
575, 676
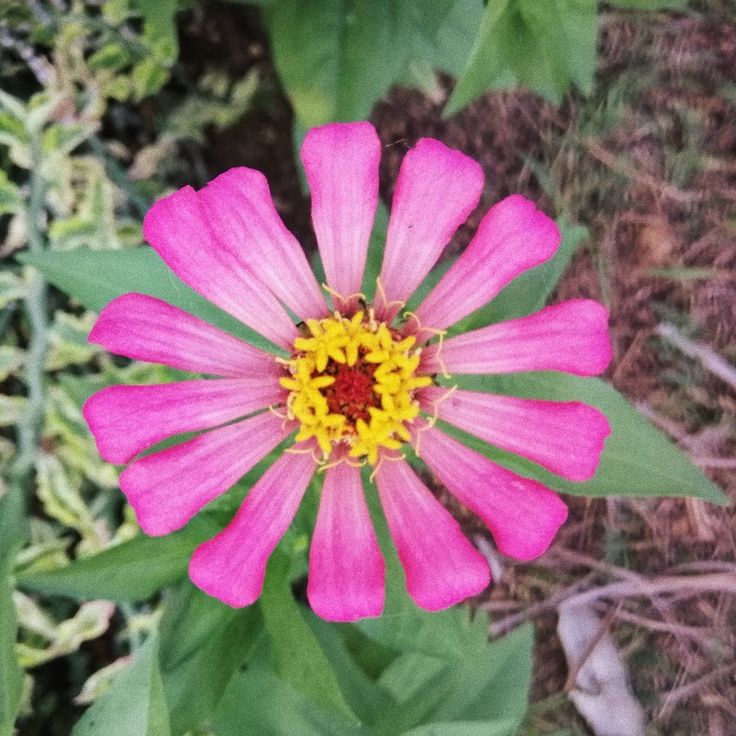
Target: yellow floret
342, 341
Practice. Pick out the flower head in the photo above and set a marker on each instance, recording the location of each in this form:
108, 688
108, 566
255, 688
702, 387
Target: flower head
356, 382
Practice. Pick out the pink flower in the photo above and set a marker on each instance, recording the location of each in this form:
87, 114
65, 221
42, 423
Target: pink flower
354, 383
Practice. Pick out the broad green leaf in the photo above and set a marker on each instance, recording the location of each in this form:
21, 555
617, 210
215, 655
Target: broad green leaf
202, 644
135, 705
12, 533
367, 699
489, 683
297, 656
544, 44
337, 57
529, 292
258, 702
639, 460
131, 571
96, 277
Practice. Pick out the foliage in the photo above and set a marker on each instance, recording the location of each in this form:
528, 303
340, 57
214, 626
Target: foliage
336, 58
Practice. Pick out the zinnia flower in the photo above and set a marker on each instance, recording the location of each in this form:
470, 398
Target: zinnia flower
355, 382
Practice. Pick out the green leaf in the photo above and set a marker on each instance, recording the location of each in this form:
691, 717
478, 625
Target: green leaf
12, 533
159, 27
639, 460
544, 44
367, 699
337, 57
297, 656
375, 251
135, 705
11, 199
529, 292
202, 644
258, 702
131, 571
96, 277
488, 684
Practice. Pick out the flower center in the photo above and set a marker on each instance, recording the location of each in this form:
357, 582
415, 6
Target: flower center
352, 380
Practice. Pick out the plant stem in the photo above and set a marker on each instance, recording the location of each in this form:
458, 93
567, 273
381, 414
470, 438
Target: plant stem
35, 307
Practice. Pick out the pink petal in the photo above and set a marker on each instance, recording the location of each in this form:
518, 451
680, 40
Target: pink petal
523, 515
564, 437
346, 569
167, 488
436, 190
177, 227
341, 162
232, 566
144, 328
240, 211
442, 567
571, 336
513, 237
128, 419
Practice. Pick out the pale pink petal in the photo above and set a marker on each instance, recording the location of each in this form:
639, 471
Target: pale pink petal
240, 211
523, 515
232, 566
564, 437
177, 227
127, 419
513, 237
571, 336
341, 162
437, 188
167, 488
442, 567
346, 569
145, 328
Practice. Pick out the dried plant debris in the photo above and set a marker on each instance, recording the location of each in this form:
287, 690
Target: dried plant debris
599, 682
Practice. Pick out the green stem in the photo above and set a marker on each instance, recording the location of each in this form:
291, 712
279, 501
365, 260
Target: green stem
35, 306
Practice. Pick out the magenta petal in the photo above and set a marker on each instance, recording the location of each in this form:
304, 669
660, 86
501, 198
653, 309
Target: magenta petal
564, 437
178, 228
232, 565
442, 567
523, 515
346, 569
436, 190
145, 328
166, 489
240, 210
513, 237
127, 419
571, 336
341, 162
